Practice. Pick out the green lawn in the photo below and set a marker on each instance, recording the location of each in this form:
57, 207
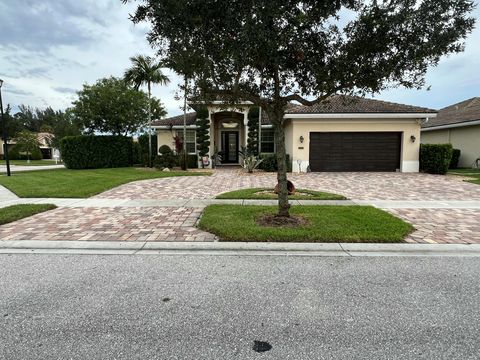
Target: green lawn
268, 194
473, 173
17, 212
65, 183
326, 224
32, 162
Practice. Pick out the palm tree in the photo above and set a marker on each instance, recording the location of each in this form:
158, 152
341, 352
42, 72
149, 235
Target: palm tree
146, 71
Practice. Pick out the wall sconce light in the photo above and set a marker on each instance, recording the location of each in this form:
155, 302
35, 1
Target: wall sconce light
413, 138
302, 139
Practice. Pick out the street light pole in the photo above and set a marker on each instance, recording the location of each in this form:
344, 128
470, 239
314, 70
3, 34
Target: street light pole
4, 132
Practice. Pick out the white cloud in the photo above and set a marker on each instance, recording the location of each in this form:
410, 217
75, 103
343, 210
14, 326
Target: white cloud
49, 49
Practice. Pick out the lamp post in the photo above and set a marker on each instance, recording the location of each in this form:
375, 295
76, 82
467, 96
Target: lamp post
4, 132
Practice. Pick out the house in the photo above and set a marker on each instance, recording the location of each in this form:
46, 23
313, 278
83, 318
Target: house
459, 125
44, 140
341, 134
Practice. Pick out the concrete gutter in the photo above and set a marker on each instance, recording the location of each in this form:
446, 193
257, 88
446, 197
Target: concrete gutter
235, 248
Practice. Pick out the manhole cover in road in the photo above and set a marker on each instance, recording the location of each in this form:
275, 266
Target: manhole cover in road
261, 346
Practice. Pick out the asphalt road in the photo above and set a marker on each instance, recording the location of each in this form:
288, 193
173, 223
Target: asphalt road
216, 307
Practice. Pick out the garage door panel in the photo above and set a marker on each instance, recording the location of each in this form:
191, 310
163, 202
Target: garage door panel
355, 151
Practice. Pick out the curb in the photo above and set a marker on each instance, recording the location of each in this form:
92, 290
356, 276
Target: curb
235, 249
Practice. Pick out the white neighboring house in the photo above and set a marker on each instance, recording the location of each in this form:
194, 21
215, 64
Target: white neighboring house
343, 134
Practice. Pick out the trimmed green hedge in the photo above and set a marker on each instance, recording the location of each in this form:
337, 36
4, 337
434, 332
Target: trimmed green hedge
95, 152
455, 158
435, 158
269, 163
16, 154
192, 161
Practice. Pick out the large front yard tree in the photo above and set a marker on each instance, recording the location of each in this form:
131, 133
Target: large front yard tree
112, 106
273, 52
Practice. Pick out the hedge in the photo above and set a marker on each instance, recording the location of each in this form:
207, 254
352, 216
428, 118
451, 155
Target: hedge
15, 154
94, 152
455, 158
269, 163
192, 161
435, 158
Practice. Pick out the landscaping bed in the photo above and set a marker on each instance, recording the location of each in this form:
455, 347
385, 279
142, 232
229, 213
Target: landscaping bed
65, 183
268, 194
16, 212
472, 174
357, 224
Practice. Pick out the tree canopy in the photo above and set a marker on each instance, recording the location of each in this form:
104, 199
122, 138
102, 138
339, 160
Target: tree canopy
272, 52
114, 107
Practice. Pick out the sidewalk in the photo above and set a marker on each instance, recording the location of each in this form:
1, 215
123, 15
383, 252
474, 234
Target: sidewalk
20, 168
7, 198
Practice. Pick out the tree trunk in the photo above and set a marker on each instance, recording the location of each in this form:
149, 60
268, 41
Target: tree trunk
150, 160
283, 205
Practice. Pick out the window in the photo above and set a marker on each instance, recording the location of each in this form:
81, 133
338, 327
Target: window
191, 144
267, 142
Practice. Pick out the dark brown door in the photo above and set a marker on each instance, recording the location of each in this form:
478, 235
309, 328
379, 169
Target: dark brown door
355, 151
230, 147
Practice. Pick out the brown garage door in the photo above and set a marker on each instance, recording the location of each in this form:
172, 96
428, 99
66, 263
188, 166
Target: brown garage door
355, 151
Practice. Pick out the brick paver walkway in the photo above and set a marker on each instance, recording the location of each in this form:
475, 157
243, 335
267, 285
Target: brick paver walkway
357, 186
129, 224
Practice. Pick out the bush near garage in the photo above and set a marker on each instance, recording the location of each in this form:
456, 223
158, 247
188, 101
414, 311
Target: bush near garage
455, 158
95, 152
16, 154
435, 158
269, 163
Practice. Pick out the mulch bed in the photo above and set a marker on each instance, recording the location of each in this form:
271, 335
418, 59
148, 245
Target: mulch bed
270, 220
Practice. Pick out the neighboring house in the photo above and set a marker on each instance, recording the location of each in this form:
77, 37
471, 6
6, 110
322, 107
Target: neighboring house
44, 140
342, 134
459, 125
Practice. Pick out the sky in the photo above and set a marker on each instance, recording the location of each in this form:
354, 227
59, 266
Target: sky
50, 48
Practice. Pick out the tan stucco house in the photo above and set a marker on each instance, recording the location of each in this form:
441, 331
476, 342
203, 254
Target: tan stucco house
459, 125
44, 140
342, 134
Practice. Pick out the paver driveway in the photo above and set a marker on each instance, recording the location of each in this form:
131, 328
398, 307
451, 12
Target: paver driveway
356, 186
177, 224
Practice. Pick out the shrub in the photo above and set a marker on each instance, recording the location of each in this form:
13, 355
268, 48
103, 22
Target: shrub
192, 161
269, 163
94, 152
166, 159
455, 158
435, 158
203, 132
137, 154
143, 141
16, 153
164, 149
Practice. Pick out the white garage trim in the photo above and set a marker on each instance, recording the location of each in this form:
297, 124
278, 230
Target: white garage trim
410, 166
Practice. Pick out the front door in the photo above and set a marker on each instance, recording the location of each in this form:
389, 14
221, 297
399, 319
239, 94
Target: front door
230, 147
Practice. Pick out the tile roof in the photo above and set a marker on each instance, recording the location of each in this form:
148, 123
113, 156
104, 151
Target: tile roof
339, 104
176, 120
462, 112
